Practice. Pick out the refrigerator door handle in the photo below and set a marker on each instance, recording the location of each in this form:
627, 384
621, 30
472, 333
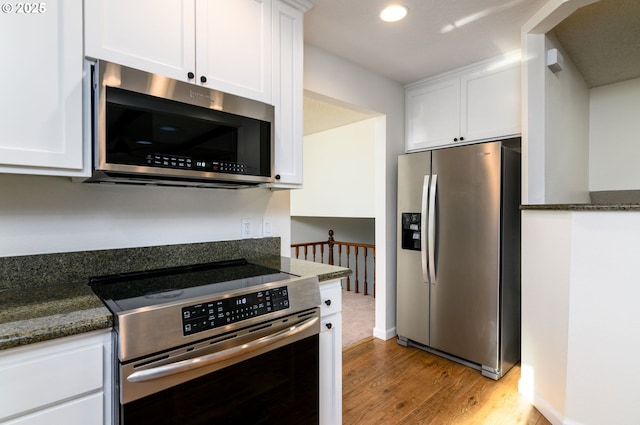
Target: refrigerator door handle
432, 229
423, 229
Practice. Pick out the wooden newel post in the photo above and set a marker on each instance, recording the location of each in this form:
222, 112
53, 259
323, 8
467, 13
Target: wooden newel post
331, 242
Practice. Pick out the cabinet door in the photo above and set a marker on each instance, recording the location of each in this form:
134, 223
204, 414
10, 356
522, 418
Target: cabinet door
41, 88
84, 411
433, 114
331, 370
491, 103
331, 353
287, 94
143, 34
234, 46
50, 373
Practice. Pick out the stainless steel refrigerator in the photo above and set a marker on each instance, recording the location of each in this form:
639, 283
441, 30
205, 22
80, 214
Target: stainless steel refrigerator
458, 275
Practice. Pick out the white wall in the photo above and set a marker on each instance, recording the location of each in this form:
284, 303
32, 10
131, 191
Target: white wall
555, 124
308, 229
52, 214
579, 316
546, 266
614, 130
338, 173
604, 322
336, 78
566, 133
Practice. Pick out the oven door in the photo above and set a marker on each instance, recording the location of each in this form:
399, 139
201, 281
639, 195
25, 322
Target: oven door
264, 376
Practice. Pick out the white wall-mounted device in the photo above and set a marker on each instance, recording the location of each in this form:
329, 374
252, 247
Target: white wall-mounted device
555, 61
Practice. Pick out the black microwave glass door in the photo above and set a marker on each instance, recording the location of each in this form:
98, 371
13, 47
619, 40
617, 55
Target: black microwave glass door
143, 130
280, 387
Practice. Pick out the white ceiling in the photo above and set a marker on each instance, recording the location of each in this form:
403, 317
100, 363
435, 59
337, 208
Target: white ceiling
436, 36
603, 39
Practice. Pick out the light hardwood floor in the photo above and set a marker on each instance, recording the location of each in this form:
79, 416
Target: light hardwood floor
386, 384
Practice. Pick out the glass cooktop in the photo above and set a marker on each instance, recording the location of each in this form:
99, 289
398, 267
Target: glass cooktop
130, 291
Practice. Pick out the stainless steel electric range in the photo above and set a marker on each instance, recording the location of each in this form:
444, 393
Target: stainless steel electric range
226, 342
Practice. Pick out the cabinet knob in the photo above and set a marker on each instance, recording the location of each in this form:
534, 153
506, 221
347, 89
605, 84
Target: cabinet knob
461, 138
190, 75
277, 176
329, 325
328, 302
203, 79
455, 139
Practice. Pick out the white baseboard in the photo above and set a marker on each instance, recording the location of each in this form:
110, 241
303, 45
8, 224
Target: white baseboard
544, 407
385, 334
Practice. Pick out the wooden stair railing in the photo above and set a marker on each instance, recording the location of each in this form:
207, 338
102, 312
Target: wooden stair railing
315, 251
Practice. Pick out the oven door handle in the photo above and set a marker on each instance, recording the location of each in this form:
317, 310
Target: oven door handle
209, 359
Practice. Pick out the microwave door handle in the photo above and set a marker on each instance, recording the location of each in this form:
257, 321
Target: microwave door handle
209, 359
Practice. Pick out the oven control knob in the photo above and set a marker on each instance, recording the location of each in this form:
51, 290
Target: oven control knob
328, 302
329, 325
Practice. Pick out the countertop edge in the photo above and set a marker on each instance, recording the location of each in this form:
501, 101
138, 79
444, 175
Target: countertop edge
580, 207
40, 329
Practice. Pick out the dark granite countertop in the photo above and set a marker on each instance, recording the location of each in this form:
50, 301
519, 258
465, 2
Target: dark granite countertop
305, 268
34, 313
581, 207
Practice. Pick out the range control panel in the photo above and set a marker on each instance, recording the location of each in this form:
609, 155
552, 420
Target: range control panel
202, 317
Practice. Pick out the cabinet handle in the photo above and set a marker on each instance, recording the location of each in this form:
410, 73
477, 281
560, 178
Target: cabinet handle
203, 79
329, 325
190, 75
328, 302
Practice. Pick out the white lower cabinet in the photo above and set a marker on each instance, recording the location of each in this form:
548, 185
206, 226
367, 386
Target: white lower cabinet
331, 353
87, 410
64, 381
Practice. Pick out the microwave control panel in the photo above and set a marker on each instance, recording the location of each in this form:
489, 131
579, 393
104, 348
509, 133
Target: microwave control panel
222, 312
187, 163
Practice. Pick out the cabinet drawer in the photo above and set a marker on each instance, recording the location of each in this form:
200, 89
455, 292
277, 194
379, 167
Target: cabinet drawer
331, 295
33, 377
84, 411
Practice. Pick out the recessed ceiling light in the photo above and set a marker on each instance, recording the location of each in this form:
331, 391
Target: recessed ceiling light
394, 13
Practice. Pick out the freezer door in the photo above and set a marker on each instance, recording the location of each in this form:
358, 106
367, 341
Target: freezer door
464, 316
412, 291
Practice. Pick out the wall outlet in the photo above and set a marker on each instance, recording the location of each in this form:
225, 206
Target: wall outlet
267, 230
246, 230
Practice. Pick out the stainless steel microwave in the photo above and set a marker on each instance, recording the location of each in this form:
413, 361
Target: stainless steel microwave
151, 129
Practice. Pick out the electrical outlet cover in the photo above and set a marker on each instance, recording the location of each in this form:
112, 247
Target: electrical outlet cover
247, 228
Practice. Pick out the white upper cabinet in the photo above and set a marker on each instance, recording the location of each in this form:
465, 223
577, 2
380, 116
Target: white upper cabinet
480, 102
288, 48
222, 44
233, 46
143, 34
433, 114
490, 100
41, 88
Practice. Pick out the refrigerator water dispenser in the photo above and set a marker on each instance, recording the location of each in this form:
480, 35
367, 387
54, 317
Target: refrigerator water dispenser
411, 231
